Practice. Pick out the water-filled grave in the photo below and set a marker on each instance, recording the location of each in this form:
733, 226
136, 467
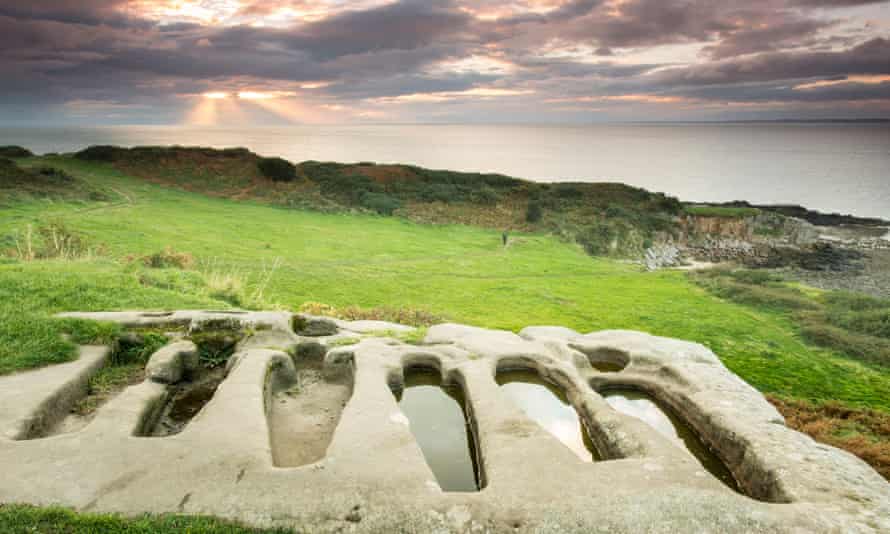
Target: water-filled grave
639, 404
438, 419
548, 406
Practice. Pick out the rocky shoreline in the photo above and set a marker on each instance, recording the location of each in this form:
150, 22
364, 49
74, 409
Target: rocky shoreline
845, 253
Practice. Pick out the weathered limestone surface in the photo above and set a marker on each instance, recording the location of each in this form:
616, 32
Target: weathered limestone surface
31, 403
172, 362
374, 478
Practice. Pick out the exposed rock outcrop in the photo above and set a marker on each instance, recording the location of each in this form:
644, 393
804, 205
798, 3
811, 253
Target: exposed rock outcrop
372, 477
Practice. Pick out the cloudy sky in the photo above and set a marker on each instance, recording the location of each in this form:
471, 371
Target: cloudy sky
333, 61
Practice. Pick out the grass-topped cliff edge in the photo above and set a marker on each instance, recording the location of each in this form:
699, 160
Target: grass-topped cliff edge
178, 229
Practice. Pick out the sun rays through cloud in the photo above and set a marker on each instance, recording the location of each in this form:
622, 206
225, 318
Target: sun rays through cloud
216, 108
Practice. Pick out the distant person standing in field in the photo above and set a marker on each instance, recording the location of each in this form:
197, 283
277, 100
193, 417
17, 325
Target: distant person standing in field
505, 236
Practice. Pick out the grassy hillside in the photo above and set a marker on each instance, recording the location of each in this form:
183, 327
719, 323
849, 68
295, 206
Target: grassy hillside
605, 218
250, 254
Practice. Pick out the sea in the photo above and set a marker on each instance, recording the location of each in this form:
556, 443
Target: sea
830, 167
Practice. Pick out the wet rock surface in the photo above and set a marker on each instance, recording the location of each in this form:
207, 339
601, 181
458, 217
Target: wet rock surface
372, 475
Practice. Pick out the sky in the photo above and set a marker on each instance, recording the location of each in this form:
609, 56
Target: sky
249, 62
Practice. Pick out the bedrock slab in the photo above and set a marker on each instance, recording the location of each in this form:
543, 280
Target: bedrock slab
373, 476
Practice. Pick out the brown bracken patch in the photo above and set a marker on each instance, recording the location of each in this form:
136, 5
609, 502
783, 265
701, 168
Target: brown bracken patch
384, 174
861, 431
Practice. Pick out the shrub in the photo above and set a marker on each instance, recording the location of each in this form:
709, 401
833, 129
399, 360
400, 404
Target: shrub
105, 153
278, 169
215, 348
618, 212
855, 301
750, 276
55, 176
14, 151
596, 238
439, 193
380, 202
338, 181
236, 152
484, 195
669, 204
533, 212
861, 346
567, 191
169, 259
870, 322
784, 298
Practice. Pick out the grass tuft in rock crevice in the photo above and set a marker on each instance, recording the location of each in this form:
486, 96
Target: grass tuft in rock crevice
126, 367
216, 340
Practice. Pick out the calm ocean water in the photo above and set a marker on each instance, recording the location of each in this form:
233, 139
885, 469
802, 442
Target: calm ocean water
830, 167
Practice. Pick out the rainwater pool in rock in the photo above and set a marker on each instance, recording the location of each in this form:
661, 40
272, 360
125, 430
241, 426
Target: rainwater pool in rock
641, 405
439, 424
547, 405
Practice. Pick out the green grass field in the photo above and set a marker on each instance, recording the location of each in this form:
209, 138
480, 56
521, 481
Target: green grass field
459, 272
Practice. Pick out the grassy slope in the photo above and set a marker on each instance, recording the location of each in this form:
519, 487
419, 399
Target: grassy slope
457, 271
